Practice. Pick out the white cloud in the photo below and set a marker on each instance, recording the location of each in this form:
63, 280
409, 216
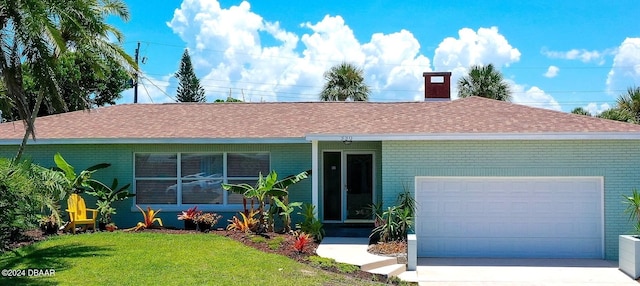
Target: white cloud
625, 71
534, 96
552, 72
226, 45
582, 55
596, 109
486, 46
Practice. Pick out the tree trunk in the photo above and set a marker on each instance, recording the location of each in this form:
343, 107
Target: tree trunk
30, 126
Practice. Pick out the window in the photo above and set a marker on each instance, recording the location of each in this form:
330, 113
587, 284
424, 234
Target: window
195, 178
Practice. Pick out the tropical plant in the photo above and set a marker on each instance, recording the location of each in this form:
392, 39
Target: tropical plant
310, 224
301, 240
395, 223
36, 33
246, 224
633, 208
78, 183
148, 219
617, 114
286, 209
484, 81
106, 196
580, 111
344, 82
265, 188
630, 103
190, 214
189, 88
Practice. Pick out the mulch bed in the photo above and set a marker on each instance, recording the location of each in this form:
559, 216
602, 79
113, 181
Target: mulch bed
286, 248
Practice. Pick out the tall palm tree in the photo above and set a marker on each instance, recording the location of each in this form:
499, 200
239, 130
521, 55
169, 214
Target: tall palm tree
630, 103
36, 32
344, 82
484, 81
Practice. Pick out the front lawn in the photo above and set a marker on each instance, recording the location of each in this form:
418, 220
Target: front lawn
147, 258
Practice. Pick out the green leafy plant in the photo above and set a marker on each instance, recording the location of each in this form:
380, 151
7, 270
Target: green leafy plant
148, 219
78, 183
286, 209
310, 224
265, 188
275, 242
394, 223
633, 208
106, 196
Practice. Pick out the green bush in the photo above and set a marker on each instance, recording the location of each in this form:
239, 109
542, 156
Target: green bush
16, 202
394, 223
310, 224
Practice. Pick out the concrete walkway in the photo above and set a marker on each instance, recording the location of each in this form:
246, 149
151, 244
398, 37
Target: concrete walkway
479, 271
484, 271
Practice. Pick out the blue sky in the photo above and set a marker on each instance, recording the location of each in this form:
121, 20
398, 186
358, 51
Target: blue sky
554, 54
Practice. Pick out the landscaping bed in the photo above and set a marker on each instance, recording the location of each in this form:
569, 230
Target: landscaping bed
276, 243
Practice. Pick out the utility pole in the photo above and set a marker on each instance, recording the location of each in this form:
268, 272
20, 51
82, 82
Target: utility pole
135, 83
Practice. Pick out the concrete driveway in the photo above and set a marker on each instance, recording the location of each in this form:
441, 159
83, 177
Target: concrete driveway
484, 271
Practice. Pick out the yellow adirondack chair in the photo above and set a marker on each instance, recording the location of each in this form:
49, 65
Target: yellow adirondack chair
78, 213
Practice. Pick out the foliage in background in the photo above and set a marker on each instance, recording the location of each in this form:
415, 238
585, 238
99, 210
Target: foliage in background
189, 88
85, 82
344, 82
484, 81
36, 33
310, 224
630, 103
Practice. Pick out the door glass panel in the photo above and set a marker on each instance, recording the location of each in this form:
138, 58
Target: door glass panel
359, 186
332, 183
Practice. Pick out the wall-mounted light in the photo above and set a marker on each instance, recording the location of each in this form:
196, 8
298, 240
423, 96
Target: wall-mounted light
347, 140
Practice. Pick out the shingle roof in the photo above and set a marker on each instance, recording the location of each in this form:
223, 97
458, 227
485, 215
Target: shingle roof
472, 115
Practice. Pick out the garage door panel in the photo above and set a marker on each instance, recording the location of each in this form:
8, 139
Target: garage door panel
509, 217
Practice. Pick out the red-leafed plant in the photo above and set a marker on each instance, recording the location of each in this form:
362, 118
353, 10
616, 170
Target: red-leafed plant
302, 239
190, 214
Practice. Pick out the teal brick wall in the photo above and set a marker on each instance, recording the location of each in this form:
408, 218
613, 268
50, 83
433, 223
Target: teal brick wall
286, 159
617, 161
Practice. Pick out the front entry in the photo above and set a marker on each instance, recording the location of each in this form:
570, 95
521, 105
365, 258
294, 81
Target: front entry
348, 186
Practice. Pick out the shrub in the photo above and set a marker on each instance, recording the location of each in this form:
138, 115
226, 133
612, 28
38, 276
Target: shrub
310, 224
302, 239
394, 223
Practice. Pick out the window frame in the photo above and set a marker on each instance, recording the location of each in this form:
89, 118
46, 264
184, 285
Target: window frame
178, 206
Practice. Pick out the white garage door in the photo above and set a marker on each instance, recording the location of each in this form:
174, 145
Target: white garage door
528, 217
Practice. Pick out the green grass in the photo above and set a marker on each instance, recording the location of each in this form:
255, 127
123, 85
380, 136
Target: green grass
275, 243
328, 263
145, 258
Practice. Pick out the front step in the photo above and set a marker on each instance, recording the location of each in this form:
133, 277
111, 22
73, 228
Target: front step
380, 262
390, 270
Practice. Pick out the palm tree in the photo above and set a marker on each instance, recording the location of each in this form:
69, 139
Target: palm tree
630, 103
580, 111
344, 82
36, 33
484, 81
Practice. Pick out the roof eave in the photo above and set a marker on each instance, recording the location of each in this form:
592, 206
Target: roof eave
79, 141
477, 136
